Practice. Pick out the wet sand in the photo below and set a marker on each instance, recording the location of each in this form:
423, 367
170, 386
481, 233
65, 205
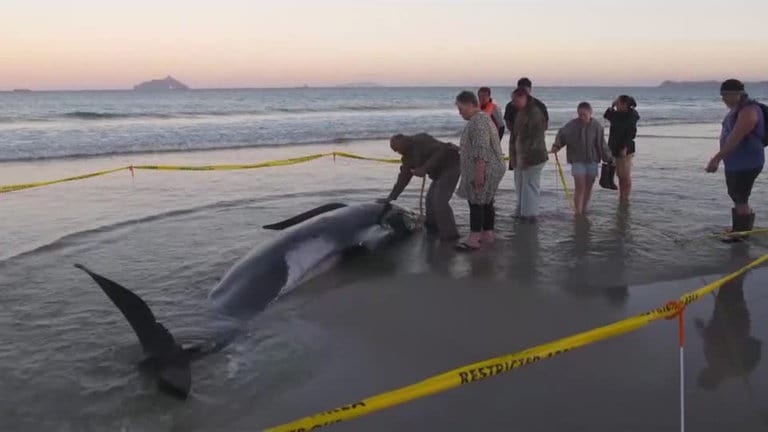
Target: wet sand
377, 322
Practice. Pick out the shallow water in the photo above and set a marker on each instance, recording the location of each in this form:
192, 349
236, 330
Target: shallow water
376, 322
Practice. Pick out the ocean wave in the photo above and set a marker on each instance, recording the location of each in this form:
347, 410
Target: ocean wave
89, 115
650, 119
97, 151
100, 116
118, 148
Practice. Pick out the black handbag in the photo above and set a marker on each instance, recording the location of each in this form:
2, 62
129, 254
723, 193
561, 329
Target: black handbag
607, 173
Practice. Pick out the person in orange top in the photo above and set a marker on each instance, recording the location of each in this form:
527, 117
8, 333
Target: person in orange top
489, 107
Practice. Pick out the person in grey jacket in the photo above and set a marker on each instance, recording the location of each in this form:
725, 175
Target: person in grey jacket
584, 138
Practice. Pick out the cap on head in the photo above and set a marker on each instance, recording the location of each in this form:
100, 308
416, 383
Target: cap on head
732, 85
397, 142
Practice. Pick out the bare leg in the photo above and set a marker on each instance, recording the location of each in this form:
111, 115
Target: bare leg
579, 182
624, 172
589, 182
743, 209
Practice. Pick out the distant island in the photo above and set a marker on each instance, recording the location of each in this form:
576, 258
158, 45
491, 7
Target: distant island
706, 84
167, 83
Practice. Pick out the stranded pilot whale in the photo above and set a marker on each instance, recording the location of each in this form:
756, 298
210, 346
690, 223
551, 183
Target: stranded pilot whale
307, 245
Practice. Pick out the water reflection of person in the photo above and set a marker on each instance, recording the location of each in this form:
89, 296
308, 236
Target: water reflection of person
618, 291
526, 252
729, 349
586, 275
577, 276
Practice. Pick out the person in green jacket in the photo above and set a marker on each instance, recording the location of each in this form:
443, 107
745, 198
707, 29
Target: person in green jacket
528, 154
425, 155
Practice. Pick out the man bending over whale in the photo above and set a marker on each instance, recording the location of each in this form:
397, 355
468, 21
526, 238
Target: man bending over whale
425, 155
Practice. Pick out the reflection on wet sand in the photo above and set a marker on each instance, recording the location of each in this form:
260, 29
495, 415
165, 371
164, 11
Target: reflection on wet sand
729, 348
598, 268
525, 251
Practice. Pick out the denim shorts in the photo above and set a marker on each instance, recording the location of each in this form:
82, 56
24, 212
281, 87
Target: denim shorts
580, 168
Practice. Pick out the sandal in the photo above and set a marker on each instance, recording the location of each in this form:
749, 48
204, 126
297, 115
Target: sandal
465, 247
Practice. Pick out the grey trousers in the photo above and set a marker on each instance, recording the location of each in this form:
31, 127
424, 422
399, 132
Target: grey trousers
527, 186
439, 214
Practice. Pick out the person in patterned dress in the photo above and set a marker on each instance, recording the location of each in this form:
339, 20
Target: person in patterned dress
482, 168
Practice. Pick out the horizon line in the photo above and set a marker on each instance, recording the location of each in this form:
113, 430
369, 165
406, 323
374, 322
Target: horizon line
373, 85
32, 90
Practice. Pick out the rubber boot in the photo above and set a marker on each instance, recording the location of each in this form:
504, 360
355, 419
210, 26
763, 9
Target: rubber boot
739, 223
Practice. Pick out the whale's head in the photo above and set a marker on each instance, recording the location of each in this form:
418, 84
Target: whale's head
401, 220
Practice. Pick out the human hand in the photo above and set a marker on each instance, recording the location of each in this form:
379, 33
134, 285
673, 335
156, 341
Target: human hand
479, 183
419, 172
479, 180
624, 152
713, 164
554, 150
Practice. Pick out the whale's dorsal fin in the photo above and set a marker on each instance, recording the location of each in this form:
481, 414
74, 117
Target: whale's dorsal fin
304, 216
173, 374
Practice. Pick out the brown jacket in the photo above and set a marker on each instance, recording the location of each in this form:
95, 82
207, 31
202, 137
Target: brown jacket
527, 141
424, 151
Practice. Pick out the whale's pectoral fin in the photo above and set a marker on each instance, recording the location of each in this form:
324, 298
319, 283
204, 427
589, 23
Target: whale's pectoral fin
167, 356
304, 216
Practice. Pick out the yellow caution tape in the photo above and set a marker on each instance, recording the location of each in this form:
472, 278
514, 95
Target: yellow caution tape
564, 183
354, 156
223, 167
16, 187
741, 233
499, 365
274, 163
722, 235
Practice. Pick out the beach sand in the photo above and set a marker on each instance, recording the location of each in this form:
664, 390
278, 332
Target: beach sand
375, 323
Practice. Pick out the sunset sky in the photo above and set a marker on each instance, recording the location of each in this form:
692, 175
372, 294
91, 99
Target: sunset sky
89, 44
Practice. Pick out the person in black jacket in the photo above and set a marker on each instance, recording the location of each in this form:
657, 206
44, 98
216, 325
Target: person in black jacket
621, 140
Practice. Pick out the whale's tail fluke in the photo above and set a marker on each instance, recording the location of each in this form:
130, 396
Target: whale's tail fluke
170, 362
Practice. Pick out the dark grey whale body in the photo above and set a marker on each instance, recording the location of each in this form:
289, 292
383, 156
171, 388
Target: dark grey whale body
308, 244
